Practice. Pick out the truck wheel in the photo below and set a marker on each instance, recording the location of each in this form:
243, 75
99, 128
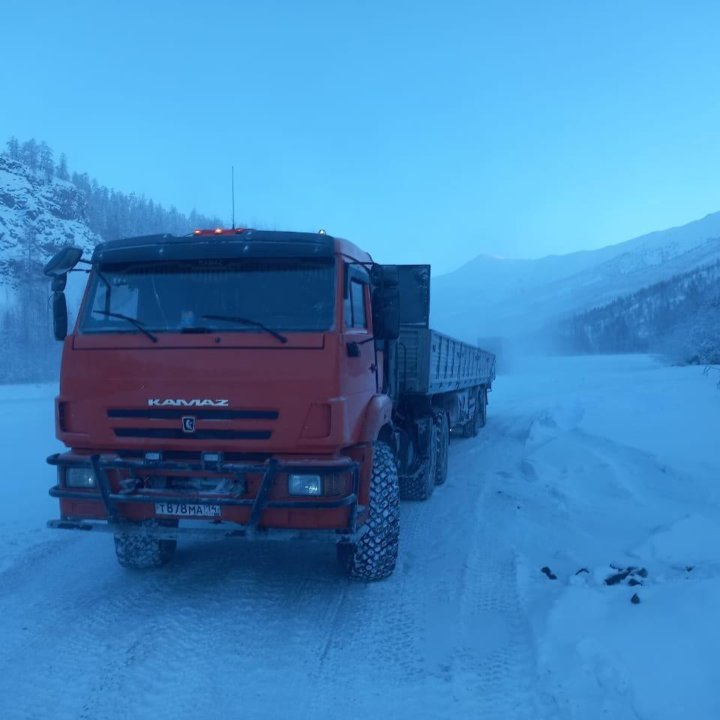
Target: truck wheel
421, 485
374, 556
139, 551
440, 419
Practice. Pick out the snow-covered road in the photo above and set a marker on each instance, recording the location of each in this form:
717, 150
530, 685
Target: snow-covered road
586, 463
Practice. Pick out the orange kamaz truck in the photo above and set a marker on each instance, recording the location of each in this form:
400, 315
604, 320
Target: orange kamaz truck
254, 384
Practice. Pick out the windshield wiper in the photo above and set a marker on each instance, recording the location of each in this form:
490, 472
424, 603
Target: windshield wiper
246, 321
134, 321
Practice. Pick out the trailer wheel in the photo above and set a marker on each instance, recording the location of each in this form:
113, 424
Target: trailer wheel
421, 485
138, 550
469, 429
374, 556
440, 419
482, 408
472, 426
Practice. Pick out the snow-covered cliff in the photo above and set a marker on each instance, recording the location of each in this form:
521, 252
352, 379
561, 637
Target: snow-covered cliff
38, 215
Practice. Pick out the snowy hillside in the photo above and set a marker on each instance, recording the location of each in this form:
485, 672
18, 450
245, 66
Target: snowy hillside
520, 297
679, 317
42, 208
37, 217
513, 596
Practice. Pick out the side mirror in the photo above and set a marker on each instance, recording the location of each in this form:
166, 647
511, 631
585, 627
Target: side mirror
386, 301
391, 320
60, 316
63, 261
58, 283
57, 268
377, 272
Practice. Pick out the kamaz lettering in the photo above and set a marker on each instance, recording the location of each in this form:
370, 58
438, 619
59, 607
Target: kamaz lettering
156, 402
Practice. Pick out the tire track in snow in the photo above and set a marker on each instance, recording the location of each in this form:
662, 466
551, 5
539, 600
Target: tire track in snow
208, 628
496, 673
264, 627
450, 639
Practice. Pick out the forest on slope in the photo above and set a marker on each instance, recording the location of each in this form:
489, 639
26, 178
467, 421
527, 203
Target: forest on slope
108, 213
44, 206
679, 317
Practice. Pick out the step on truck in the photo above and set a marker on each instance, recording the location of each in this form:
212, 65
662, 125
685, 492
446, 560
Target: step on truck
254, 384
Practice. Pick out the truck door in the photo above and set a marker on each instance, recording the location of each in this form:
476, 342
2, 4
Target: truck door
406, 288
361, 374
414, 295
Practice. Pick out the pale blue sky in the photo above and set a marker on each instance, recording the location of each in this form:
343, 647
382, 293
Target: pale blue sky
423, 131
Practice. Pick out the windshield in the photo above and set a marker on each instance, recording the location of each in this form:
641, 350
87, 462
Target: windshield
238, 296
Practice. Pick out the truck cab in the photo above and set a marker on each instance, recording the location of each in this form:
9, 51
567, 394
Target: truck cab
229, 376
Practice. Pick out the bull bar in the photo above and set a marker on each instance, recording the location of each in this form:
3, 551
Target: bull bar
268, 470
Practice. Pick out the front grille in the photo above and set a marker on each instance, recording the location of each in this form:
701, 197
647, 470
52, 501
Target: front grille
62, 416
196, 456
178, 413
203, 423
170, 434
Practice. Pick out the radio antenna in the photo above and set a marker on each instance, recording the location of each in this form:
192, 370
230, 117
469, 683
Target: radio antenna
232, 185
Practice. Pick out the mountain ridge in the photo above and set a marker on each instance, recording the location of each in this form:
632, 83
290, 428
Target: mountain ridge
679, 317
519, 298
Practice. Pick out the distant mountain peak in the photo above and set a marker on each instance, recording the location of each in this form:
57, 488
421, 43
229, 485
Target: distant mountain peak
517, 297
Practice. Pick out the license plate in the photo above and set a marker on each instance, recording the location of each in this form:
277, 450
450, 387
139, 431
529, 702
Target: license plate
187, 510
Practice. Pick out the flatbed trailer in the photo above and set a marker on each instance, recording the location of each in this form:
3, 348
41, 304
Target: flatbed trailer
431, 363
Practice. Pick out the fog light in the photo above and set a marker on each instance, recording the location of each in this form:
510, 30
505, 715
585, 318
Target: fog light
304, 485
79, 477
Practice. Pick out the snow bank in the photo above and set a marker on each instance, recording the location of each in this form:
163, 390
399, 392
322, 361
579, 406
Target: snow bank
27, 429
618, 482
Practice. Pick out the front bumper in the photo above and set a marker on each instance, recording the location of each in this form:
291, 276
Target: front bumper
131, 505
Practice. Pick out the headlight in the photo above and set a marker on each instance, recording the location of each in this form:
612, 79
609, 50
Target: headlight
304, 485
79, 477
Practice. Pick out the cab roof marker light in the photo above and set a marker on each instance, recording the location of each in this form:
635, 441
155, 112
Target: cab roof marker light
218, 231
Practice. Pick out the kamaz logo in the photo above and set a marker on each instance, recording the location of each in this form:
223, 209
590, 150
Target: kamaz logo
156, 402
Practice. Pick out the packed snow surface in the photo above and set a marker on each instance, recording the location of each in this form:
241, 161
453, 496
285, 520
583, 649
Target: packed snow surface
596, 480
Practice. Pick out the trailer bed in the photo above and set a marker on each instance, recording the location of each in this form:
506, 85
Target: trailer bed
430, 363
